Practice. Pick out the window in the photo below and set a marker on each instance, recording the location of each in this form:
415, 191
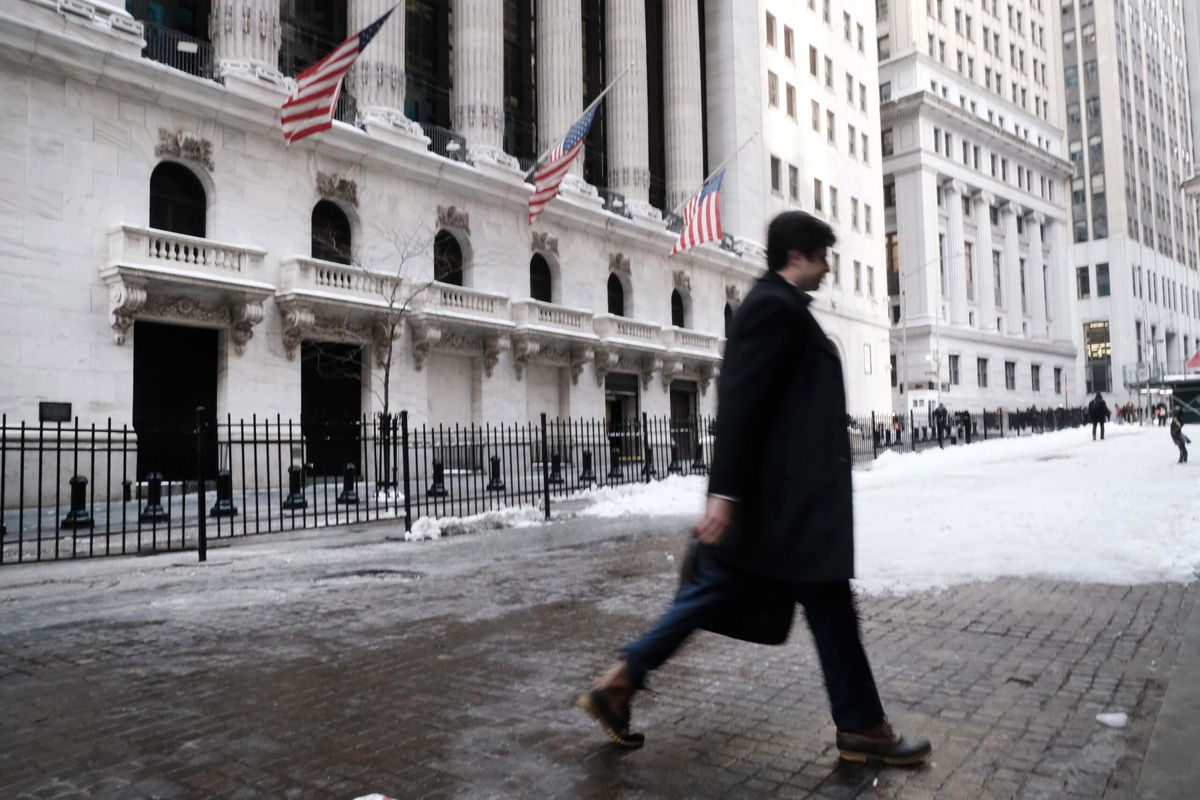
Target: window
616, 296
1097, 349
1102, 284
852, 140
862, 97
1082, 280
981, 372
177, 200
816, 116
866, 151
885, 91
818, 195
828, 73
812, 60
857, 277
837, 269
770, 29
870, 282
884, 45
447, 259
678, 316
773, 89
791, 101
846, 27
885, 142
1058, 380
867, 217
833, 202
854, 213
1010, 375
330, 233
1035, 377
776, 175
830, 128
541, 285
889, 195
860, 39
850, 89
955, 375
789, 45
794, 183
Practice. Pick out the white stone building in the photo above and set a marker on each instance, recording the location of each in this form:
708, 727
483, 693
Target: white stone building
979, 257
1130, 138
162, 247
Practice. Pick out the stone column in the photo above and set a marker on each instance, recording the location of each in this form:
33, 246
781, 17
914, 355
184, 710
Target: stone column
478, 100
956, 265
985, 282
681, 68
1011, 270
377, 78
559, 74
1061, 307
245, 36
626, 104
1034, 277
920, 293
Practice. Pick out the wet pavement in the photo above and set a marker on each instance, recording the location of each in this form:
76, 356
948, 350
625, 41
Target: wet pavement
336, 663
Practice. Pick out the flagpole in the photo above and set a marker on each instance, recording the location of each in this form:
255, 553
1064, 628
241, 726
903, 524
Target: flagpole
591, 105
722, 166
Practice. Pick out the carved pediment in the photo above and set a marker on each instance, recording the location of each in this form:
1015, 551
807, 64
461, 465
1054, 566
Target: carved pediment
338, 188
451, 217
732, 294
184, 144
544, 242
619, 262
682, 280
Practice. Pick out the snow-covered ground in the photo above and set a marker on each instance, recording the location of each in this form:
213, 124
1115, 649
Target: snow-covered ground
1056, 505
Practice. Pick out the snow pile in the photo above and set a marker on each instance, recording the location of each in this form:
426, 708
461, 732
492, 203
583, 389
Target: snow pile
1114, 719
431, 528
670, 497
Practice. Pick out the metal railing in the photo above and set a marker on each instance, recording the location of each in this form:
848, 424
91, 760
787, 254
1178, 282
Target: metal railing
445, 142
179, 51
77, 491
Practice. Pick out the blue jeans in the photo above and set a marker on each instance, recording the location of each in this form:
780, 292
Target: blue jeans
832, 618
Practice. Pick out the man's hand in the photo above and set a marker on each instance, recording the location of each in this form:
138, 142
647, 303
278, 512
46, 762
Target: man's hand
717, 514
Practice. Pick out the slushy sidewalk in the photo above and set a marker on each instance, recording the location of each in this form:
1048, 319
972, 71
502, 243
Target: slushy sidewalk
338, 663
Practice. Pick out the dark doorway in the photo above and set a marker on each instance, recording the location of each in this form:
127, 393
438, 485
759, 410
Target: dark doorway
331, 404
540, 282
427, 57
678, 318
174, 372
616, 296
621, 415
177, 200
330, 233
683, 417
447, 259
728, 318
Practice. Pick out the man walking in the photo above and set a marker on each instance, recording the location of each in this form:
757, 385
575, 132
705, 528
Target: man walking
940, 415
779, 512
1098, 412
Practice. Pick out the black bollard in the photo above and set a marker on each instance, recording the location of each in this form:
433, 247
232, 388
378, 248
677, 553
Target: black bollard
295, 498
674, 468
154, 511
224, 506
495, 482
78, 516
438, 489
555, 469
614, 468
349, 495
587, 474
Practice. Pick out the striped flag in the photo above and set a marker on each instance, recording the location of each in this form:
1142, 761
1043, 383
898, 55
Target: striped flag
702, 216
310, 109
550, 174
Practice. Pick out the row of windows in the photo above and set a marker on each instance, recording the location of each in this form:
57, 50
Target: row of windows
1161, 290
789, 40
993, 79
982, 376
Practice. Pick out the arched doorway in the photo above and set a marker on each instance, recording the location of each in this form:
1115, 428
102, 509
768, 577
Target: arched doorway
541, 282
178, 202
447, 259
616, 296
330, 233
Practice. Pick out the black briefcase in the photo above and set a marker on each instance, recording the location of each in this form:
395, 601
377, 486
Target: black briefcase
760, 612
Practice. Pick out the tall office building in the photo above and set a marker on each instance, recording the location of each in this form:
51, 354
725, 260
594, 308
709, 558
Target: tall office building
1130, 141
978, 239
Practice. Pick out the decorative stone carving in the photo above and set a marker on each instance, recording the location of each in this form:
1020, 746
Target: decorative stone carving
185, 308
682, 280
424, 337
579, 357
337, 187
707, 373
544, 242
649, 365
524, 348
297, 321
619, 262
493, 346
382, 342
605, 361
451, 217
732, 294
184, 144
671, 369
125, 300
244, 317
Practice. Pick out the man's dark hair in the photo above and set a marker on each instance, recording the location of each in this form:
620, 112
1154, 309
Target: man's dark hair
796, 230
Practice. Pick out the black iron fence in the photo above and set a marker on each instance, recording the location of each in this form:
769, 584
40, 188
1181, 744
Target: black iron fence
72, 491
179, 50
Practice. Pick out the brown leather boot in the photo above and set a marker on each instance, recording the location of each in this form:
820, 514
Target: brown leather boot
609, 704
882, 744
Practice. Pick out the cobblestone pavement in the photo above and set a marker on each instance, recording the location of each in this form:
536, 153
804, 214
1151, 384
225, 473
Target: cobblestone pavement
336, 665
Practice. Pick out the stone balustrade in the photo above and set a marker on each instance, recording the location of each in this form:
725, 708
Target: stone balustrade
610, 327
168, 253
313, 277
540, 316
447, 301
689, 342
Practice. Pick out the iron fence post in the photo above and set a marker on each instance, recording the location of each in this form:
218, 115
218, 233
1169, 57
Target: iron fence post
404, 470
545, 468
200, 522
874, 438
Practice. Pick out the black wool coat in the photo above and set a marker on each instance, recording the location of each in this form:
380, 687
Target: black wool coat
782, 450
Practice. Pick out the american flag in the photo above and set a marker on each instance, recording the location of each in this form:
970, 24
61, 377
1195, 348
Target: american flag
550, 174
702, 216
311, 108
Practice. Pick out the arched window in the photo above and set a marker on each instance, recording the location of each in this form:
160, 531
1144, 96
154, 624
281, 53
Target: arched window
330, 233
616, 296
677, 313
177, 200
447, 259
728, 318
540, 282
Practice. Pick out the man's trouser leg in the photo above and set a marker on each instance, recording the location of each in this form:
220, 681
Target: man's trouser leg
833, 620
694, 602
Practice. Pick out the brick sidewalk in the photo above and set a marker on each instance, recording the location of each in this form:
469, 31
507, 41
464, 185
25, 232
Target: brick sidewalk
448, 670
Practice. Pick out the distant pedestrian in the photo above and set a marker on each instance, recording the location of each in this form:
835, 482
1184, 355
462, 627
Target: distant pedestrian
1178, 436
1098, 412
940, 415
778, 526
